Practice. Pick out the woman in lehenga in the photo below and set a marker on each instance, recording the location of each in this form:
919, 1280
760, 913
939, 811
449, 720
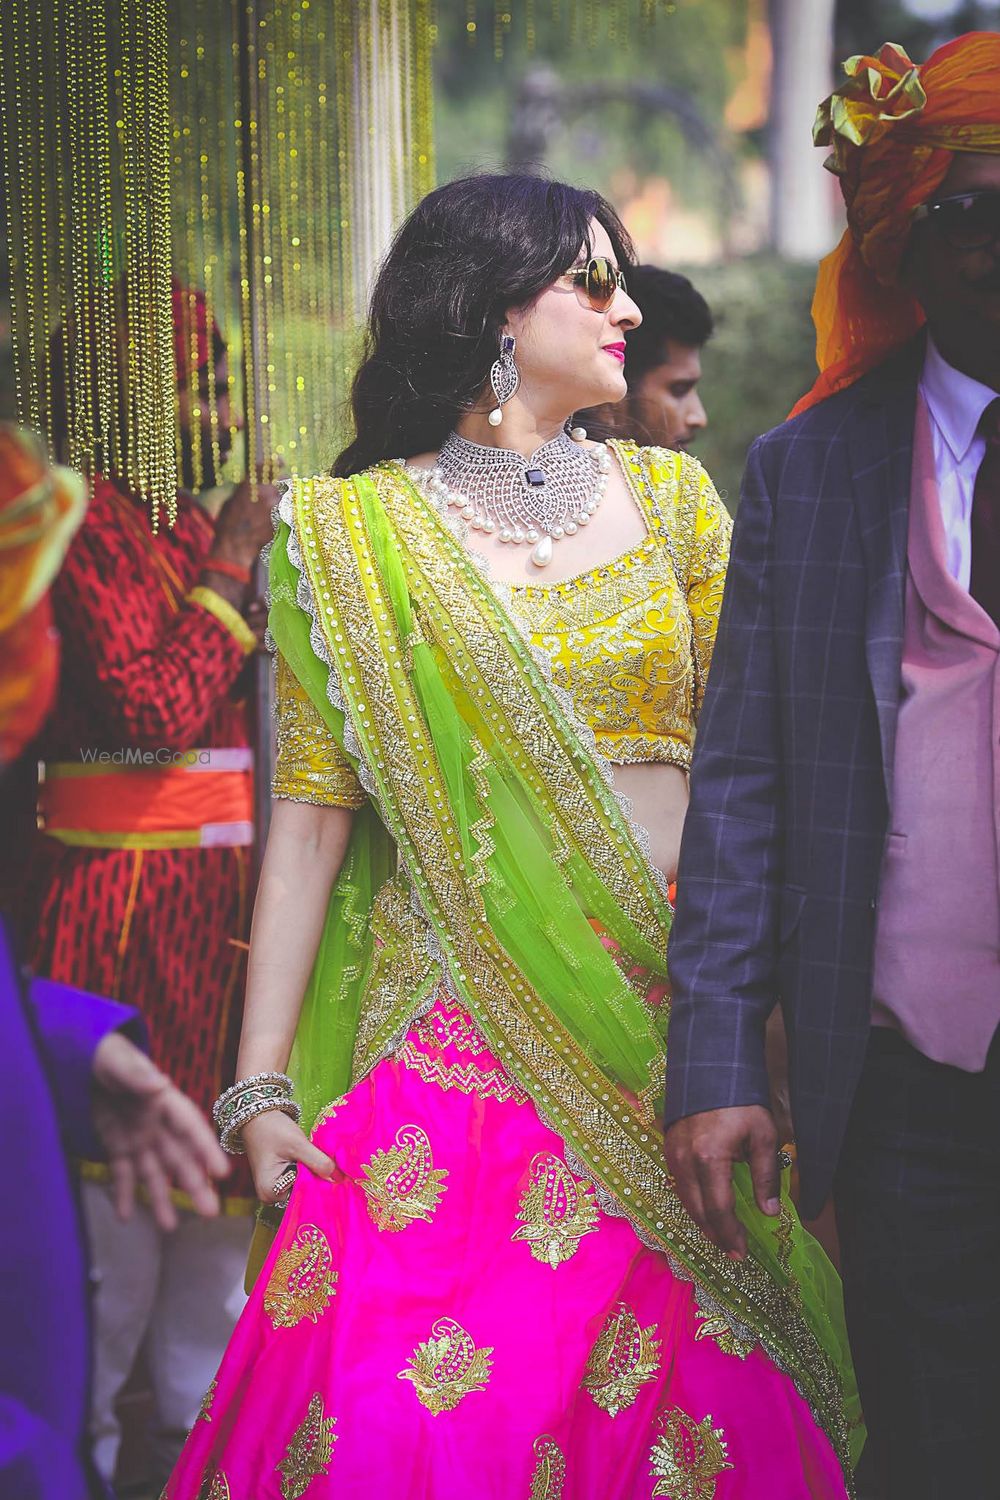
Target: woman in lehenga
483, 1284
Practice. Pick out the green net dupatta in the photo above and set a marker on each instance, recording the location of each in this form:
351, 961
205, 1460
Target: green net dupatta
492, 850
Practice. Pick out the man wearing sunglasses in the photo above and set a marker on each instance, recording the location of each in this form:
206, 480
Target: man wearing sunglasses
841, 852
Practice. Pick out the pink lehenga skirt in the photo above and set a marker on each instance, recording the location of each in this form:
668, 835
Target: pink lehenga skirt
459, 1319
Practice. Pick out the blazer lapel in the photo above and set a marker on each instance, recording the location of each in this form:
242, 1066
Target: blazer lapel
881, 443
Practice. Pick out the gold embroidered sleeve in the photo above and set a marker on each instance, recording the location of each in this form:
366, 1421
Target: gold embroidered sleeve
309, 766
713, 530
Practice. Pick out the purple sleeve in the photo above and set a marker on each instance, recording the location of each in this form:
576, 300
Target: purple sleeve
70, 1025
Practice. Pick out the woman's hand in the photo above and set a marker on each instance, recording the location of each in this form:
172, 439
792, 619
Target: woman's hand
273, 1143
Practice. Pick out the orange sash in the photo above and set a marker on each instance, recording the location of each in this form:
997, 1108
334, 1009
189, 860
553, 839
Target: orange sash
200, 799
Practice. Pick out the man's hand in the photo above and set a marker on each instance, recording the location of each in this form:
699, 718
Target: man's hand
255, 615
244, 525
153, 1134
701, 1151
242, 529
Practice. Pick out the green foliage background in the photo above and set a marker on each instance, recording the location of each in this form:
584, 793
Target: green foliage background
693, 46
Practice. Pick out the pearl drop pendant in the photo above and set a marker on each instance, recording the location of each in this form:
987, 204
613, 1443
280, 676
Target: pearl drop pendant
578, 434
542, 554
495, 417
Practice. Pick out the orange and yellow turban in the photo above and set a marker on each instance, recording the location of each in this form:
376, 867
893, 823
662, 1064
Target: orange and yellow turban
893, 127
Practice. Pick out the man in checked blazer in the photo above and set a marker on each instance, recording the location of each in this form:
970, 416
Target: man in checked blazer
841, 854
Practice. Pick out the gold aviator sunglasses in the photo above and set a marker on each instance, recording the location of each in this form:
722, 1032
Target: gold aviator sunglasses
600, 279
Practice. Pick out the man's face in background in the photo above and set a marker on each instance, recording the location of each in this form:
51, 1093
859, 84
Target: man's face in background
664, 405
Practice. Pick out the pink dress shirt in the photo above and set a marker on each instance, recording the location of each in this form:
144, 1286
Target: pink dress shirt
937, 950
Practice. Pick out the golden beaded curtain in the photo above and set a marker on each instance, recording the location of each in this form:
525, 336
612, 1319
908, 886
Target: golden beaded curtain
87, 187
260, 152
301, 135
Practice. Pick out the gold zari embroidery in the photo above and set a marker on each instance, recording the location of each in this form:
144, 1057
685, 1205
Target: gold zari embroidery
309, 1451
632, 641
309, 765
485, 1083
624, 1358
687, 1457
205, 1409
556, 1210
451, 1028
447, 1367
326, 1113
403, 1184
214, 1486
402, 974
549, 1474
303, 1281
711, 1326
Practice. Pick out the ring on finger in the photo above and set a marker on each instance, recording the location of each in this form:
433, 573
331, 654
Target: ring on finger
283, 1186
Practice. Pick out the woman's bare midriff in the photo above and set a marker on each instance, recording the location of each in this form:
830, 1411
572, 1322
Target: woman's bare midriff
659, 796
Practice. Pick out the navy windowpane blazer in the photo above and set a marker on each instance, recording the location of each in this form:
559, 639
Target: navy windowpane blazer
792, 774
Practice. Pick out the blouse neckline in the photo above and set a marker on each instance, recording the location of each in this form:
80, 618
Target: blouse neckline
624, 561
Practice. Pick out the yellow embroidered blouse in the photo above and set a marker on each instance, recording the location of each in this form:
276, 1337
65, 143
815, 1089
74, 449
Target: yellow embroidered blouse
631, 641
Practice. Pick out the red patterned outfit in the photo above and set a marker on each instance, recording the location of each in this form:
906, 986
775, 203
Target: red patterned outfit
140, 889
145, 667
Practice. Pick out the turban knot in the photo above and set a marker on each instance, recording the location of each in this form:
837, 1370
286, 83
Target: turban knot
893, 126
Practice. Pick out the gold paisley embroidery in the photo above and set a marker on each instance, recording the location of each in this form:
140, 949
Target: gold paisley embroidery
447, 1367
403, 1183
205, 1409
214, 1485
302, 1283
549, 1474
309, 1451
712, 1326
623, 1358
485, 1083
687, 1457
556, 1210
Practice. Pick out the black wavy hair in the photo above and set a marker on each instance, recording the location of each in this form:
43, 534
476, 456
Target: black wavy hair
671, 309
469, 252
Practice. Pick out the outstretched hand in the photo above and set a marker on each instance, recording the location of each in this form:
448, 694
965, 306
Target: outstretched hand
701, 1152
154, 1135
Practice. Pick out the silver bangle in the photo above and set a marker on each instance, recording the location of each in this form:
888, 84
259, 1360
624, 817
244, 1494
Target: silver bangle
229, 1133
243, 1084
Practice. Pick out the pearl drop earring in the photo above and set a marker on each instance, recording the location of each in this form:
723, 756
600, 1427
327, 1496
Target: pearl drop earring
504, 378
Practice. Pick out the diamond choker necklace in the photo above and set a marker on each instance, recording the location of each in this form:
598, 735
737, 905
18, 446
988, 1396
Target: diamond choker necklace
534, 501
